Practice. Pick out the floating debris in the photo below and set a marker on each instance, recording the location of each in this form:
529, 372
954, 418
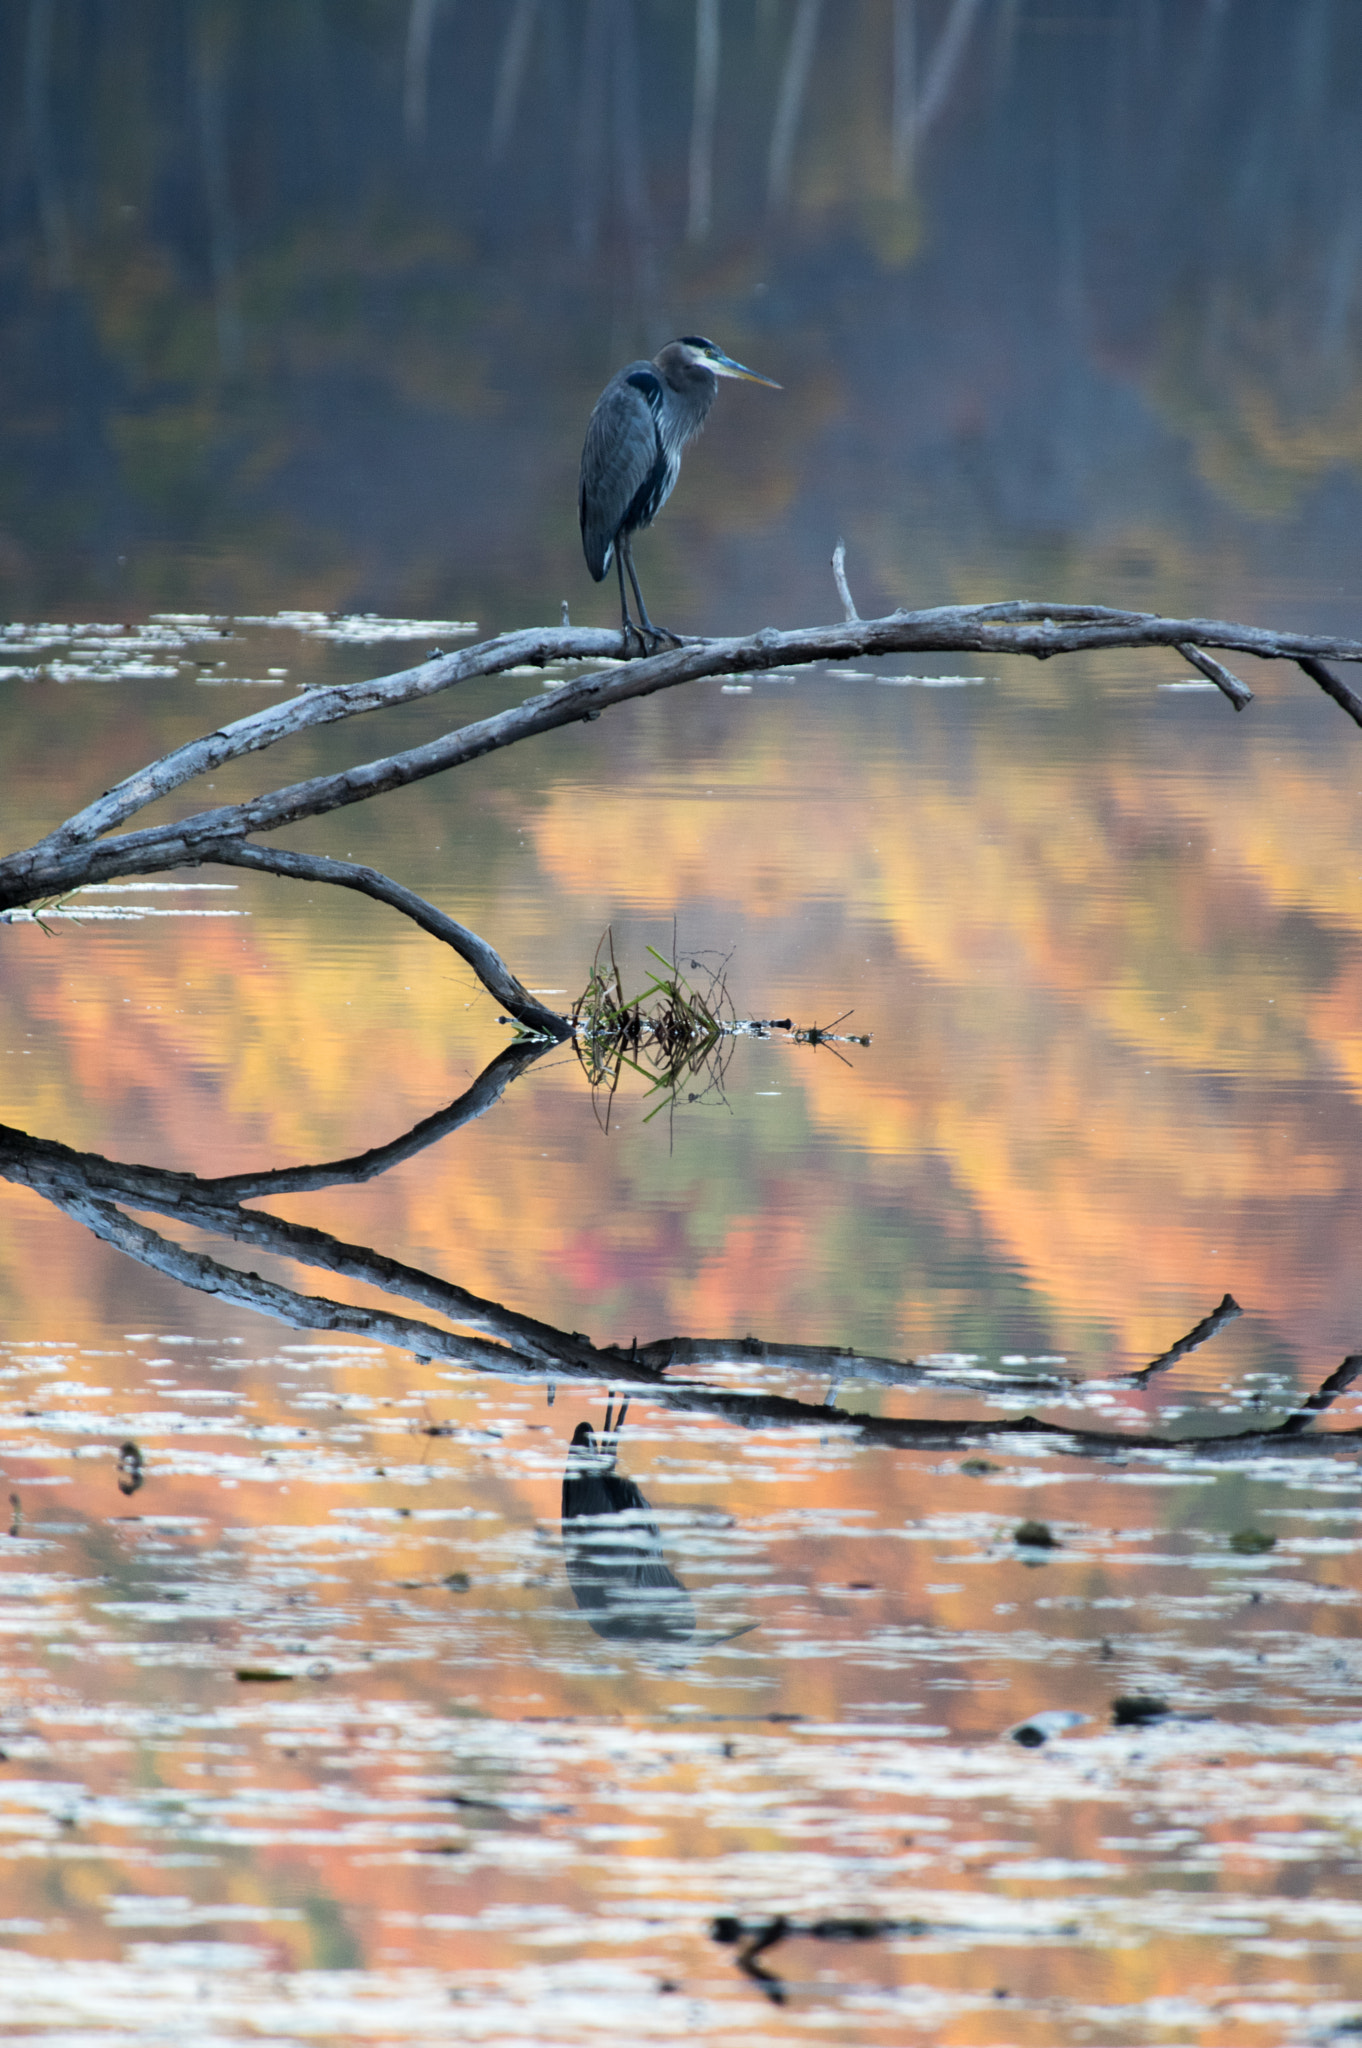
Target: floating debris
359, 628
1252, 1542
1138, 1709
934, 682
1041, 1727
131, 1471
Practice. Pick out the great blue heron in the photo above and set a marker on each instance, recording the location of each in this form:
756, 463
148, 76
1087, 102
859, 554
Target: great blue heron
632, 457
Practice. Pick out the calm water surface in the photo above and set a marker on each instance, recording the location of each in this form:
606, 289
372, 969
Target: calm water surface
319, 1721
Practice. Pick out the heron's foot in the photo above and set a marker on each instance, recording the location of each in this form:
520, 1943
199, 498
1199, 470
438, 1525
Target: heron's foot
650, 638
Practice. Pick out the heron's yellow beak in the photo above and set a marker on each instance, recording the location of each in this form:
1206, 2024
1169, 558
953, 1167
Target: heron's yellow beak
724, 366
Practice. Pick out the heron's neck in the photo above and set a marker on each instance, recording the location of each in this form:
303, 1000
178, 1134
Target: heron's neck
691, 391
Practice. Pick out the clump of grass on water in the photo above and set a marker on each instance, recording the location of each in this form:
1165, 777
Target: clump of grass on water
670, 1032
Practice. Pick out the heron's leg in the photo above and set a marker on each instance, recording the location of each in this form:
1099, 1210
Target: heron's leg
649, 632
627, 626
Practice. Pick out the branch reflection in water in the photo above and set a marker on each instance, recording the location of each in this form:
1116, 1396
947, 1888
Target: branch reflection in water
502, 1342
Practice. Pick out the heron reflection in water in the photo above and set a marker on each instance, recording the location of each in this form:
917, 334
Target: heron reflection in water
632, 457
619, 1577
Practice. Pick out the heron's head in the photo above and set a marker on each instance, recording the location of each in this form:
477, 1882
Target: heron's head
707, 355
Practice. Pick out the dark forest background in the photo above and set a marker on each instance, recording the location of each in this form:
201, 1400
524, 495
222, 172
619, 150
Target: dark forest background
308, 302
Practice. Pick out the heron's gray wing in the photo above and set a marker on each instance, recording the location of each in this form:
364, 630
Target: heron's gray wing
622, 457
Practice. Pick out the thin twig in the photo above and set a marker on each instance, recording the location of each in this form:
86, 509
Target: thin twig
1238, 693
839, 577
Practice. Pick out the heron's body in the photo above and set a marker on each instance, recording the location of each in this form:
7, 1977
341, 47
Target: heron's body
642, 421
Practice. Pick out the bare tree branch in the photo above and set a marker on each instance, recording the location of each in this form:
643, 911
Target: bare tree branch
320, 707
1332, 685
488, 965
76, 852
67, 858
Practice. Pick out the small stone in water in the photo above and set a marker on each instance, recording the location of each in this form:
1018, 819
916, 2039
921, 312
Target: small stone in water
1137, 1709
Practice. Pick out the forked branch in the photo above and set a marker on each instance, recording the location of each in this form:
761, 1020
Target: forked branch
88, 847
